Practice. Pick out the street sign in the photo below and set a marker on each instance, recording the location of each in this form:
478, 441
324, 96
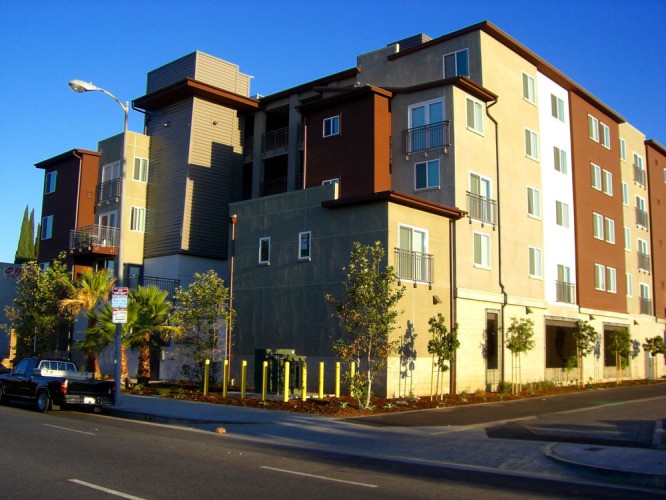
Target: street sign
119, 297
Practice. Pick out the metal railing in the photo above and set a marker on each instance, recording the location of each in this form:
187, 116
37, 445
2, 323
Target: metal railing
425, 137
108, 190
643, 262
87, 237
275, 139
641, 217
165, 284
565, 292
646, 305
415, 266
639, 175
275, 186
481, 208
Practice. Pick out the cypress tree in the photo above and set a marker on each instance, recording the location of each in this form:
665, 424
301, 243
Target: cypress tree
26, 246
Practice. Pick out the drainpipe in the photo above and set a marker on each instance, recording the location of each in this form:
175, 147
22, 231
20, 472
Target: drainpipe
453, 298
499, 234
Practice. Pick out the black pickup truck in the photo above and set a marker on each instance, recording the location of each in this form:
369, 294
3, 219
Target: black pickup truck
53, 383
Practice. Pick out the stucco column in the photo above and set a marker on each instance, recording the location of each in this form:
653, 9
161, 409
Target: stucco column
292, 144
257, 161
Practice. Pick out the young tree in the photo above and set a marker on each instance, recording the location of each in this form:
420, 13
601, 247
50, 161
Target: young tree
202, 313
619, 342
519, 340
585, 337
655, 346
368, 315
442, 346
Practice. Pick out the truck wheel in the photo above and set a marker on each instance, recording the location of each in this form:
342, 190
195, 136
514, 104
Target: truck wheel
43, 402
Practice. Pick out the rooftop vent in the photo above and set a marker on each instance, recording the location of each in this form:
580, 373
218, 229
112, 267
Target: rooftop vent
412, 41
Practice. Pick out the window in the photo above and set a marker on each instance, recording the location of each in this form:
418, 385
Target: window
47, 227
330, 181
426, 128
50, 182
665, 176
332, 126
529, 88
627, 238
304, 245
610, 230
482, 250
108, 219
611, 280
608, 183
265, 250
561, 214
644, 290
492, 341
413, 262
535, 262
638, 161
560, 158
533, 202
557, 107
625, 193
598, 226
426, 174
531, 144
111, 171
474, 116
456, 64
480, 185
623, 149
140, 169
644, 298
138, 219
593, 128
642, 246
605, 135
599, 277
595, 173
630, 285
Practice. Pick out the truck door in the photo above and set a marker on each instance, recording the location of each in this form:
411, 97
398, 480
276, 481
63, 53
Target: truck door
17, 383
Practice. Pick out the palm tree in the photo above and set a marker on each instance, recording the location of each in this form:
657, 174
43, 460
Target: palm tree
85, 294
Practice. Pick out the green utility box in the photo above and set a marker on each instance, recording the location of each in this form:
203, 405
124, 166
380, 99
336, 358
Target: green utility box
275, 376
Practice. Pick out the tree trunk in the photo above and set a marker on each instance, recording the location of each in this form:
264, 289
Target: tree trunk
143, 372
124, 372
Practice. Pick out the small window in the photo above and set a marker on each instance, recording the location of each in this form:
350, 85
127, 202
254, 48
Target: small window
593, 128
665, 176
474, 116
456, 64
140, 169
332, 126
482, 250
630, 285
557, 107
529, 88
595, 173
265, 250
47, 227
611, 280
605, 135
627, 238
560, 159
599, 277
50, 182
598, 226
535, 262
330, 181
426, 174
623, 149
625, 193
608, 183
531, 144
304, 245
533, 202
138, 219
561, 214
610, 230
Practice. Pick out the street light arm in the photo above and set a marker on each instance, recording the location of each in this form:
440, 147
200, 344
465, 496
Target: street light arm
81, 86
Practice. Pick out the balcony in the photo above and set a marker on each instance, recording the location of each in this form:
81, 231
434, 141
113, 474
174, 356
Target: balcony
646, 306
481, 208
426, 137
639, 175
565, 292
165, 284
413, 266
643, 262
641, 218
275, 142
108, 192
94, 239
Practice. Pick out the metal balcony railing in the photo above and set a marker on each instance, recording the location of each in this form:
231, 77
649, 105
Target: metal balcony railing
165, 284
639, 175
481, 208
425, 137
643, 262
565, 292
275, 186
108, 191
646, 305
275, 139
88, 237
641, 218
415, 266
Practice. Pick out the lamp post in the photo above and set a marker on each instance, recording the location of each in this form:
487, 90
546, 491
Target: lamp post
80, 86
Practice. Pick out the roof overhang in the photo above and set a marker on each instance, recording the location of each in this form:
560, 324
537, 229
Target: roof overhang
66, 155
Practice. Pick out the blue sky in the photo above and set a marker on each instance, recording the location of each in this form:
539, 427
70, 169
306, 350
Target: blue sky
616, 49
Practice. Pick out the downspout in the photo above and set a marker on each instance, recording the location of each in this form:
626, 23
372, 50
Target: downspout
453, 298
499, 235
148, 117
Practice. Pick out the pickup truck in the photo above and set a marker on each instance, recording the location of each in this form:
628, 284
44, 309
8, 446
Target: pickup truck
52, 384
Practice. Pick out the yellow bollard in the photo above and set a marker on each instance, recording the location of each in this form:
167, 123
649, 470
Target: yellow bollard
337, 379
206, 376
243, 378
304, 381
264, 380
352, 374
285, 396
321, 380
225, 378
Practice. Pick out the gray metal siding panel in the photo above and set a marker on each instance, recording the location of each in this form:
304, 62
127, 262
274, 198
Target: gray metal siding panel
171, 73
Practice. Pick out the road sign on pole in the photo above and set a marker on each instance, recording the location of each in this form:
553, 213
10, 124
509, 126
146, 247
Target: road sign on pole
119, 297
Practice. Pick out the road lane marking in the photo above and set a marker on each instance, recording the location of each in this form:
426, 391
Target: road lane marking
320, 477
105, 490
68, 429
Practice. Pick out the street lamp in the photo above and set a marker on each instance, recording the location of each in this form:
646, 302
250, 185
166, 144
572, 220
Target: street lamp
80, 86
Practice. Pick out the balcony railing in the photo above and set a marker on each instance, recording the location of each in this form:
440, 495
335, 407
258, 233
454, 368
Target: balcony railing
274, 140
481, 208
108, 191
165, 284
275, 186
643, 262
425, 137
565, 292
94, 238
641, 217
646, 305
639, 175
414, 266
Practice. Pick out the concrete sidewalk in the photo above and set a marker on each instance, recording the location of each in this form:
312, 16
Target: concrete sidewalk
454, 447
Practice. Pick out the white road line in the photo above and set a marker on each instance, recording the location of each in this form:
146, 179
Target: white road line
320, 477
68, 429
105, 490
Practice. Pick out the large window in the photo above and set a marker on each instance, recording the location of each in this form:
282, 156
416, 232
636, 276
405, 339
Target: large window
492, 341
332, 126
47, 227
108, 219
610, 230
426, 174
533, 202
560, 159
305, 245
426, 125
561, 214
557, 107
50, 182
140, 169
456, 64
608, 183
529, 88
531, 144
138, 219
482, 250
611, 280
111, 171
599, 277
265, 250
412, 259
474, 115
535, 262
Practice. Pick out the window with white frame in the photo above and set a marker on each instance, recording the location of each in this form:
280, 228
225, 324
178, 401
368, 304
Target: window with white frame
560, 159
426, 174
557, 107
642, 246
50, 182
529, 88
598, 226
627, 239
561, 214
138, 219
305, 245
412, 260
108, 219
593, 128
605, 135
533, 202
47, 227
644, 290
625, 193
611, 280
531, 144
265, 250
332, 126
140, 169
456, 64
474, 115
111, 171
595, 174
641, 214
426, 130
665, 176
610, 230
482, 250
630, 285
623, 149
608, 183
535, 264
599, 277
638, 161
